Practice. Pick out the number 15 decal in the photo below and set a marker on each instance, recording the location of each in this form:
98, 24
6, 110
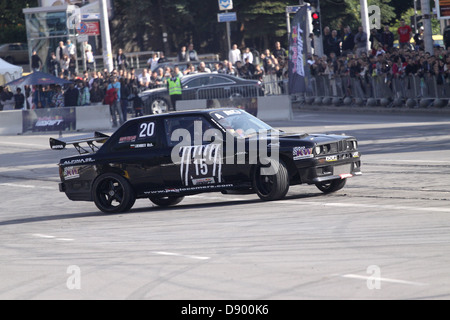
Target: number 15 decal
147, 129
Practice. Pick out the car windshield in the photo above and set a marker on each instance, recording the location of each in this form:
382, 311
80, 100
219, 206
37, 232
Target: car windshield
240, 123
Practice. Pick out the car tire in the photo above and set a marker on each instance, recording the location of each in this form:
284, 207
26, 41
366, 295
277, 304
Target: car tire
112, 193
331, 186
158, 106
271, 187
166, 201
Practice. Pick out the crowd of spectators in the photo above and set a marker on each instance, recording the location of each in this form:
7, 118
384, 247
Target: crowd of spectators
343, 55
89, 88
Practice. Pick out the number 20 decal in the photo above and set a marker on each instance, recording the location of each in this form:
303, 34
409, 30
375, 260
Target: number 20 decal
146, 129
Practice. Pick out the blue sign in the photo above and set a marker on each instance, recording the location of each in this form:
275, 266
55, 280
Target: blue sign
226, 17
225, 4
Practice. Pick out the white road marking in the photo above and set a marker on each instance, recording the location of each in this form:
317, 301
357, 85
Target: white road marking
46, 236
366, 206
164, 253
356, 276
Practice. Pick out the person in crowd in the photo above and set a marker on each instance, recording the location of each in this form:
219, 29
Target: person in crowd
58, 98
71, 48
53, 65
404, 33
84, 97
192, 53
361, 41
182, 55
387, 39
202, 68
326, 40
348, 41
19, 99
36, 62
71, 96
248, 55
61, 51
234, 55
144, 79
334, 43
121, 60
279, 53
174, 88
418, 40
152, 62
97, 94
113, 90
125, 92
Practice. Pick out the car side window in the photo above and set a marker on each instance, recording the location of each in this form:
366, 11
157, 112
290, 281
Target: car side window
192, 127
195, 83
138, 136
219, 80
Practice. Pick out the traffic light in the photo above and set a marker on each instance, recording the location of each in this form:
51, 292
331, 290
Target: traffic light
316, 23
313, 3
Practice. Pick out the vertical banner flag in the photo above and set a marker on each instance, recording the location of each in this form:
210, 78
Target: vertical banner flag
297, 51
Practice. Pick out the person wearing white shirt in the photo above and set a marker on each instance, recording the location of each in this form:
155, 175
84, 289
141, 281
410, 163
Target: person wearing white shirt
153, 62
234, 55
144, 78
247, 54
71, 49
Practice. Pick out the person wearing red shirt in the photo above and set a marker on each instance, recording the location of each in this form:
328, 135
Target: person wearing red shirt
404, 34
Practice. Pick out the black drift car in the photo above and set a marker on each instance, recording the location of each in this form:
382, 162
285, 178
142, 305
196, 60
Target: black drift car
165, 157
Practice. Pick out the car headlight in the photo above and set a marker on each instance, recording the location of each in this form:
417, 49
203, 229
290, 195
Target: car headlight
318, 150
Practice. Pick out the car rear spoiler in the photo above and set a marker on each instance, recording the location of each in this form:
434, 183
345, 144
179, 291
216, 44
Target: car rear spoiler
61, 143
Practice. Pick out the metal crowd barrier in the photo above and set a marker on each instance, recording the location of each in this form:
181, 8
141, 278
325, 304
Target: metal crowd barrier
385, 90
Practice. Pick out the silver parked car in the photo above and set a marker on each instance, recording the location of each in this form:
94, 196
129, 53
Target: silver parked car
15, 53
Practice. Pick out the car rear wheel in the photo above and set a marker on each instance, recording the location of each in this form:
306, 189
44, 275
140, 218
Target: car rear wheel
166, 201
159, 105
272, 186
113, 193
331, 186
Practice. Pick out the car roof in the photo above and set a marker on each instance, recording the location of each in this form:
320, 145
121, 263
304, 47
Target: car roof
180, 113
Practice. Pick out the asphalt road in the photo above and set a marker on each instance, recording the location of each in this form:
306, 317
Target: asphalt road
386, 235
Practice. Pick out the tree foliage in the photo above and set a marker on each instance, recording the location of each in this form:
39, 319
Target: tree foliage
139, 25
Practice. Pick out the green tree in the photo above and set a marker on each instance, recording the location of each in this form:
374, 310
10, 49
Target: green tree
12, 20
337, 15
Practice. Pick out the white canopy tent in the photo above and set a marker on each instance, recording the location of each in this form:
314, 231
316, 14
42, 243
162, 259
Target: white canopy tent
9, 72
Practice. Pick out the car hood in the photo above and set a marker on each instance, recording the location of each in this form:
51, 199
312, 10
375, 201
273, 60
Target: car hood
152, 91
316, 137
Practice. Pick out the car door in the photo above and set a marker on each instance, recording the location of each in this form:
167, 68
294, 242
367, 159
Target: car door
221, 87
136, 149
193, 87
193, 153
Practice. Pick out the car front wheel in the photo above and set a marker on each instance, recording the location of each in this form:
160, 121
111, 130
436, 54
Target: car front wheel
271, 186
113, 193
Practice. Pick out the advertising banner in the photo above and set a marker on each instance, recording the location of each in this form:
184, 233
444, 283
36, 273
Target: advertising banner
443, 9
298, 73
49, 119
